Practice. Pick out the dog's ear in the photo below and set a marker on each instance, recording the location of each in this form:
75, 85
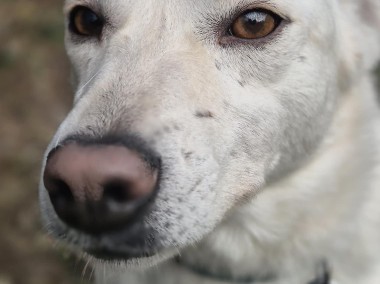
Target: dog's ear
359, 32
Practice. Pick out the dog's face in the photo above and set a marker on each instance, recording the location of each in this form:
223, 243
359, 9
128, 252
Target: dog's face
229, 94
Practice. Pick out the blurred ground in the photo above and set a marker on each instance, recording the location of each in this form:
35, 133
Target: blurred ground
35, 95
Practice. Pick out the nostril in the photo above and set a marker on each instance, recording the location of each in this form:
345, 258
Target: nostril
59, 192
117, 191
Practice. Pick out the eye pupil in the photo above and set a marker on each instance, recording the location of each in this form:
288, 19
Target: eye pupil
254, 22
85, 22
90, 18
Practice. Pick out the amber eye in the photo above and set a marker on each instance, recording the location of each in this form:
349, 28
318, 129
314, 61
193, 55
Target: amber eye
255, 24
85, 22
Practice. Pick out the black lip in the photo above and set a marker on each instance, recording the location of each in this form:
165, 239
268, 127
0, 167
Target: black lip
116, 255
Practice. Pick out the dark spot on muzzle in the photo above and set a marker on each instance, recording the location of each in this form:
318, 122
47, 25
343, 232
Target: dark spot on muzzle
204, 114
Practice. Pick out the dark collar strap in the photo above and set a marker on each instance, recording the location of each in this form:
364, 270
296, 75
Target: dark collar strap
324, 278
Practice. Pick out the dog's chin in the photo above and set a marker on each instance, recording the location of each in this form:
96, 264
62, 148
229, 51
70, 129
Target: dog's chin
129, 259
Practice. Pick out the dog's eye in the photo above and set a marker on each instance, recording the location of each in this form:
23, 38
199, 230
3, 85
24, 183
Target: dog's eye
85, 22
255, 24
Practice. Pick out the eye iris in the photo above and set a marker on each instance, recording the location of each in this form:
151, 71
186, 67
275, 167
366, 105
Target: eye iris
85, 22
253, 25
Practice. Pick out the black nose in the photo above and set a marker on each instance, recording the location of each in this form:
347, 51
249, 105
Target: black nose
100, 187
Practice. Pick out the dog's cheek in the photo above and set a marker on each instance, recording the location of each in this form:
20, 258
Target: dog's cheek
254, 152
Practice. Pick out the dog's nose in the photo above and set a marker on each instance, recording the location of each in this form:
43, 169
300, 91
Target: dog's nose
99, 188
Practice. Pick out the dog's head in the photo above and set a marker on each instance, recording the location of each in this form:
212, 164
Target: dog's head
184, 109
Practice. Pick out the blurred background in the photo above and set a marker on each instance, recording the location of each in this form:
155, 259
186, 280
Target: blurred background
35, 96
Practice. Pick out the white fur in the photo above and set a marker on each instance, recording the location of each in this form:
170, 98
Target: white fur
286, 173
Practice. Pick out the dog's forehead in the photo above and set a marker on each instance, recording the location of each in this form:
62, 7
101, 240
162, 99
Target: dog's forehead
186, 8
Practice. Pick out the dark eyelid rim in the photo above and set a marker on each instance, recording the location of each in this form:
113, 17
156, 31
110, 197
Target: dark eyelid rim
78, 38
227, 40
224, 22
275, 17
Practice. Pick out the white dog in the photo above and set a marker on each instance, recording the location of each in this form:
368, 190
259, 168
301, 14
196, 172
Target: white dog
220, 141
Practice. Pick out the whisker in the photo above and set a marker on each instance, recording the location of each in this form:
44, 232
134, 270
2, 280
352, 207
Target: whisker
104, 274
91, 274
80, 90
84, 270
122, 48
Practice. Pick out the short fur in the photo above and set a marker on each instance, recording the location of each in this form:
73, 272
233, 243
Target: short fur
270, 149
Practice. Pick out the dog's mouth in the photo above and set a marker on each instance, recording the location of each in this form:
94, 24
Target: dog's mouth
111, 255
133, 243
121, 247
113, 250
130, 256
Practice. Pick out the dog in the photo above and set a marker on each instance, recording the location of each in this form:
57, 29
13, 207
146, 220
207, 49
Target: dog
220, 141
